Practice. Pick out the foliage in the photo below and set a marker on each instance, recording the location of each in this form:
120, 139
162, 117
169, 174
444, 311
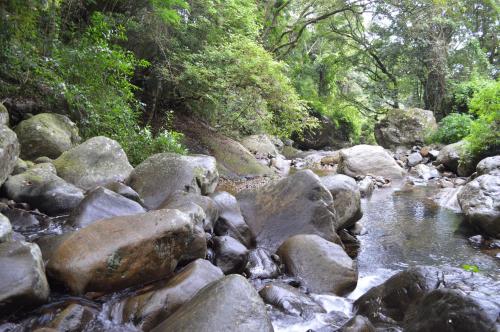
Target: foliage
453, 128
470, 268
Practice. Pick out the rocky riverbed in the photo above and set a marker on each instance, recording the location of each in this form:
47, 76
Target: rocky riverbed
358, 239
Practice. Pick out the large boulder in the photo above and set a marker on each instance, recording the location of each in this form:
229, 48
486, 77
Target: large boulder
159, 176
404, 128
22, 276
73, 318
120, 252
396, 300
346, 198
95, 162
361, 160
298, 204
454, 158
327, 134
480, 202
9, 152
46, 135
149, 309
230, 255
260, 145
101, 203
41, 188
229, 304
321, 265
231, 220
5, 229
261, 264
490, 165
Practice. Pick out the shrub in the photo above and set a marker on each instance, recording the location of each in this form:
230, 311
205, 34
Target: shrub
452, 128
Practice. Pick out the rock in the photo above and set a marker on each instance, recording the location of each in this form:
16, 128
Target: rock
394, 301
229, 304
480, 202
261, 265
490, 165
22, 276
230, 220
361, 160
298, 204
20, 167
448, 310
180, 199
447, 198
425, 172
404, 128
46, 135
48, 244
230, 255
260, 145
358, 324
159, 176
73, 318
149, 309
326, 135
41, 188
455, 159
43, 160
366, 187
414, 159
120, 252
24, 221
95, 162
346, 198
289, 300
124, 190
101, 203
323, 266
5, 228
4, 116
9, 152
433, 154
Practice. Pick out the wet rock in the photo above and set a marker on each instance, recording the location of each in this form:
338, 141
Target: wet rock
414, 159
490, 165
5, 229
448, 310
180, 199
46, 134
22, 220
476, 241
323, 266
4, 115
149, 309
366, 187
351, 243
455, 159
362, 160
124, 190
261, 264
95, 162
48, 244
159, 176
298, 204
120, 252
74, 318
358, 324
346, 198
9, 152
22, 276
41, 188
229, 304
230, 255
425, 172
231, 220
448, 198
480, 202
404, 128
290, 300
101, 203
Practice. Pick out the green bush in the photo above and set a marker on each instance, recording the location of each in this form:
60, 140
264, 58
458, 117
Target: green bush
453, 128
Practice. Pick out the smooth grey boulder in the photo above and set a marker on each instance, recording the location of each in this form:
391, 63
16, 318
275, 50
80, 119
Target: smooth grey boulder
454, 158
480, 202
260, 145
230, 221
149, 309
230, 255
366, 187
321, 265
362, 160
414, 159
404, 128
22, 276
298, 204
46, 135
159, 176
101, 203
262, 265
9, 152
346, 198
425, 172
229, 304
5, 229
120, 252
41, 188
490, 165
124, 190
95, 162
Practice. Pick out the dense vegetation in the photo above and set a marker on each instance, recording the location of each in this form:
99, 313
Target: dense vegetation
122, 67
